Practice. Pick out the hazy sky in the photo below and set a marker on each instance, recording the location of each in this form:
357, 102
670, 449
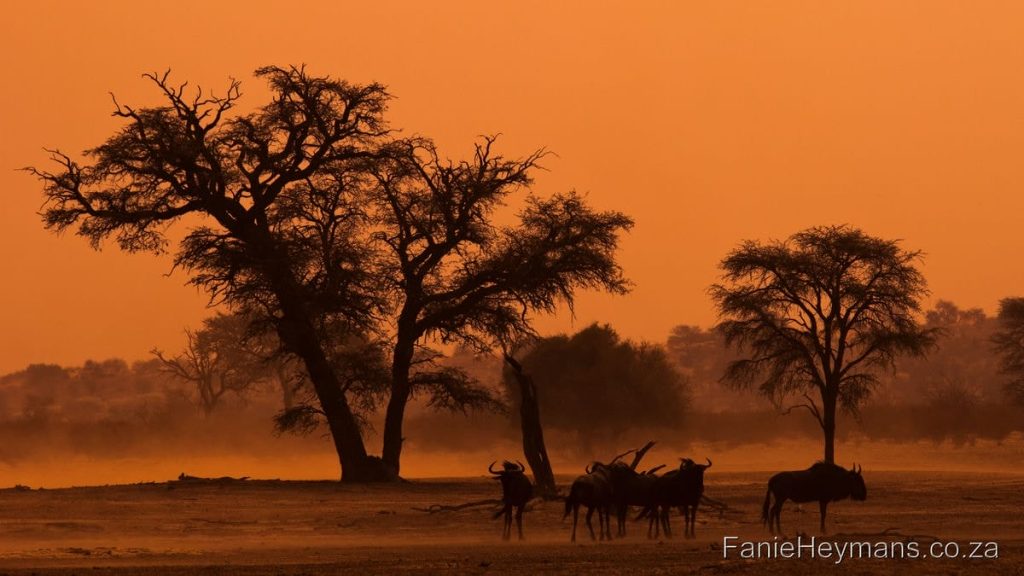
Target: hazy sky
709, 122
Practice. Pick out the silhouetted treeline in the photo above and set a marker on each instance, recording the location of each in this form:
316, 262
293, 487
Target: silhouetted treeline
95, 391
956, 393
111, 408
596, 389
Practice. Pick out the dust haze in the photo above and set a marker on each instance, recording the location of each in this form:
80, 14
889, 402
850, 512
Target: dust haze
113, 421
424, 288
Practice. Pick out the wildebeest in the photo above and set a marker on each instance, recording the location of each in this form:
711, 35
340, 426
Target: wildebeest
823, 482
629, 488
593, 490
682, 488
516, 491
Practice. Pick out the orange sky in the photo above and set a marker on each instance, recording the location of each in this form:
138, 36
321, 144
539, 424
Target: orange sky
709, 122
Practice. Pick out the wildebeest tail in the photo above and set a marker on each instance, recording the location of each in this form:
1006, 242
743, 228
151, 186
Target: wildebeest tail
764, 509
570, 499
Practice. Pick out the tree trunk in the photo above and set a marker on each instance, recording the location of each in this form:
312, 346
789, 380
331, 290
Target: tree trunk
297, 331
828, 426
287, 386
356, 465
533, 433
394, 418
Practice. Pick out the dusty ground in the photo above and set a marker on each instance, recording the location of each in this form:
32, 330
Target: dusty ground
291, 528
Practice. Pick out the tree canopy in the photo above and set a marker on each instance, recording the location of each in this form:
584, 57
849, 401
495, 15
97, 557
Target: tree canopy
817, 315
1009, 344
270, 196
601, 386
311, 217
451, 273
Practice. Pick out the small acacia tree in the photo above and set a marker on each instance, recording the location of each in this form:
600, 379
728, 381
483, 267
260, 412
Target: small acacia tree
237, 353
216, 361
1009, 344
817, 315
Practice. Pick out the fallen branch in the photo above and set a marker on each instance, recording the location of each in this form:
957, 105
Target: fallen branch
653, 470
186, 478
434, 508
638, 454
719, 506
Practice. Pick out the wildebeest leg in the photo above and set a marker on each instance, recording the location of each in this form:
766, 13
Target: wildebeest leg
620, 516
652, 523
776, 514
590, 525
666, 521
766, 516
519, 520
575, 519
608, 520
507, 531
823, 505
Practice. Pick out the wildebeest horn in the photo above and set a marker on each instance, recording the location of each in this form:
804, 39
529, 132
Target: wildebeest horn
588, 468
491, 468
709, 461
521, 467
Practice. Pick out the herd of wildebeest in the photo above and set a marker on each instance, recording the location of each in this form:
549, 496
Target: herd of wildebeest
615, 487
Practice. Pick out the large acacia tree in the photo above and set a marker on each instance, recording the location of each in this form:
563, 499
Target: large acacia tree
269, 197
310, 217
452, 273
817, 315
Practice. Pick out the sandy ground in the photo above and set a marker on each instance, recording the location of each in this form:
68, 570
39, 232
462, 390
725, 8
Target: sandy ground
312, 528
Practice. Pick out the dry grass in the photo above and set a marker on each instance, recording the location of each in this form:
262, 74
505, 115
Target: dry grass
270, 527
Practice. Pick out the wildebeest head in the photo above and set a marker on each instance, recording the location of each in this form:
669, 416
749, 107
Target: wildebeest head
858, 491
516, 488
599, 468
507, 468
688, 464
